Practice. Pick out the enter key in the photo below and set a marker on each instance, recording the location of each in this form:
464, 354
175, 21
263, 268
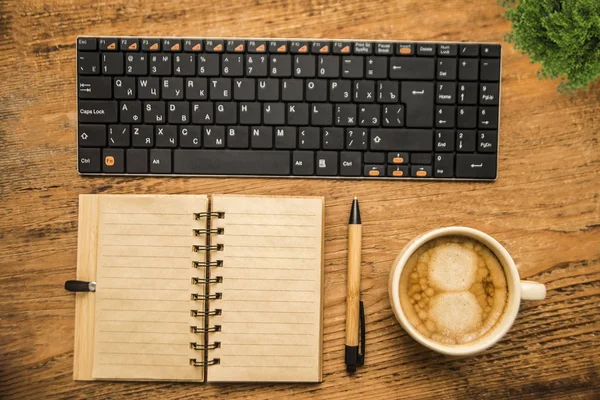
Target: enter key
418, 98
481, 166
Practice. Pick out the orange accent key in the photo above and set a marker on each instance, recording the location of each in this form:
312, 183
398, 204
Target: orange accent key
405, 50
398, 160
421, 173
345, 50
109, 161
133, 46
397, 173
154, 47
281, 49
175, 47
260, 48
240, 47
373, 172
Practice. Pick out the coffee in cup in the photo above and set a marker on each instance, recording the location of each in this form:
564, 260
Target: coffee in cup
453, 290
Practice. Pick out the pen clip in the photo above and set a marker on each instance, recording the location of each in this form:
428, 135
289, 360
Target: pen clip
362, 335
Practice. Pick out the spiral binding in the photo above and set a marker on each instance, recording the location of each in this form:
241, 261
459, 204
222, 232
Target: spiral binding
208, 248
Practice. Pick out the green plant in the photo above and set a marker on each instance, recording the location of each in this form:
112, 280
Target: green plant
562, 35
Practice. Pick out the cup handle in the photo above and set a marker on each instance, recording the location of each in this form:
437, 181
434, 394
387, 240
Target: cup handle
532, 290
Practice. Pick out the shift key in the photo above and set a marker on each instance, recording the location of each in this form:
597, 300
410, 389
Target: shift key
98, 111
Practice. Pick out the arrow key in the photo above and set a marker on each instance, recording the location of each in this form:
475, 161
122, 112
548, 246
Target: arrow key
420, 171
374, 170
488, 117
444, 116
480, 166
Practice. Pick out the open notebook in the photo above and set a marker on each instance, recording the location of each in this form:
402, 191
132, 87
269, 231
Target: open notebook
199, 288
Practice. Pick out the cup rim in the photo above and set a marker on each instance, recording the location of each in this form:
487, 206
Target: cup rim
513, 283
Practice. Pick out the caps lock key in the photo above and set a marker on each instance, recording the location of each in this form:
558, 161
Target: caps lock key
91, 111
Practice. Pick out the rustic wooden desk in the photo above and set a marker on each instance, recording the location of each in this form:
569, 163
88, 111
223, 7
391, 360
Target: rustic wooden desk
544, 208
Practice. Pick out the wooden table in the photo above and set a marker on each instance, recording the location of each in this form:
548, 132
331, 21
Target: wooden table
544, 208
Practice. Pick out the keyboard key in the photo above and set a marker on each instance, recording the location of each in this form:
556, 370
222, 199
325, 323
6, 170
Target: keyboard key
466, 117
398, 158
137, 161
237, 137
352, 67
232, 162
118, 136
192, 45
235, 46
342, 48
113, 160
488, 117
487, 141
281, 66
292, 90
214, 137
427, 49
86, 44
467, 93
420, 158
214, 46
112, 63
92, 135
374, 170
93, 111
303, 162
166, 136
278, 47
190, 136
309, 138
397, 171
374, 158
386, 49
142, 136
468, 69
387, 92
89, 160
412, 68
401, 140
489, 70
88, 63
299, 47
160, 64
350, 163
406, 49
208, 64
446, 69
363, 48
356, 139
465, 141
418, 98
447, 50
171, 45
184, 65
477, 166
393, 116
444, 140
490, 50
160, 161
94, 87
262, 137
257, 46
420, 171
320, 48
232, 65
151, 44
443, 166
446, 93
285, 137
304, 66
328, 66
489, 93
327, 163
108, 44
256, 65
468, 50
333, 138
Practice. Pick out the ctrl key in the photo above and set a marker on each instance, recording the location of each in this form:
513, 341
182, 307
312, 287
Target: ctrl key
89, 160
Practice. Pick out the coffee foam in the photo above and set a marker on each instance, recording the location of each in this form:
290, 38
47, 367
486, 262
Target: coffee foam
453, 290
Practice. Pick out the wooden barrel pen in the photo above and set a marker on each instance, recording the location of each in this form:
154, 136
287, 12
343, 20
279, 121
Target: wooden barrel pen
354, 309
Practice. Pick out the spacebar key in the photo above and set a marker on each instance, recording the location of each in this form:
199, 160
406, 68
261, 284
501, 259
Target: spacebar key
231, 162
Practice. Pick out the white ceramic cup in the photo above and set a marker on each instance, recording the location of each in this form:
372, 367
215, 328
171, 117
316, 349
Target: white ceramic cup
517, 290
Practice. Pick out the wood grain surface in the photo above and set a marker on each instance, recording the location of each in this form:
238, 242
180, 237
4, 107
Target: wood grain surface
544, 208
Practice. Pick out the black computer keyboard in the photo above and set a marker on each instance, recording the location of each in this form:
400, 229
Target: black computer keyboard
285, 108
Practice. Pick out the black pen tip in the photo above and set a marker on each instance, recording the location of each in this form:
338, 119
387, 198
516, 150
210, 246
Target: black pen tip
355, 212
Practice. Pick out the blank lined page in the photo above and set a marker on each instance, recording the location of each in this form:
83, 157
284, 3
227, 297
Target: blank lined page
144, 287
271, 290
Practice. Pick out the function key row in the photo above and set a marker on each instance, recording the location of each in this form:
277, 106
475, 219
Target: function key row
294, 47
